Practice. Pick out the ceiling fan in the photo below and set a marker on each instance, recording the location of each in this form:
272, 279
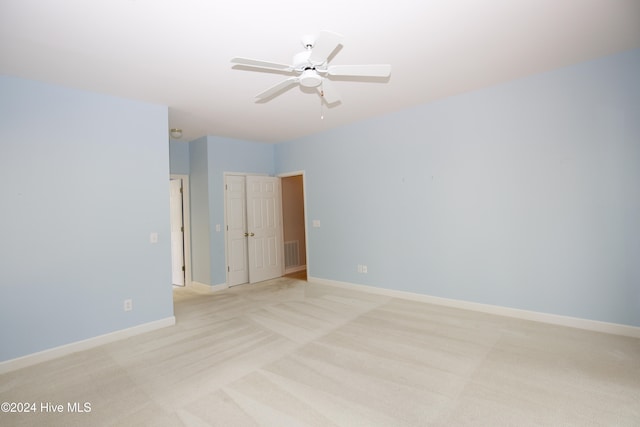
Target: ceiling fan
310, 68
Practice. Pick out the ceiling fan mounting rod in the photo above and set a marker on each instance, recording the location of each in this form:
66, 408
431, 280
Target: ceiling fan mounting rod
308, 41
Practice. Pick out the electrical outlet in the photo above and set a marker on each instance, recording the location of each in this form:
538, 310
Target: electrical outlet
359, 268
364, 268
128, 305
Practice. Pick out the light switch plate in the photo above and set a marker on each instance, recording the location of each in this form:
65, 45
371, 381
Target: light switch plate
316, 223
153, 237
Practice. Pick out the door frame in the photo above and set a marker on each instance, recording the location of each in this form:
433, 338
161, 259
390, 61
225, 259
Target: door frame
306, 212
186, 222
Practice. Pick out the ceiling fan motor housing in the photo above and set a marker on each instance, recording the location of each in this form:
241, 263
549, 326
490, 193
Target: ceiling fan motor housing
309, 76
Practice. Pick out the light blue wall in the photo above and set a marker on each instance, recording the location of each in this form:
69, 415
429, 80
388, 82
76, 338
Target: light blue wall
85, 179
179, 157
199, 197
523, 195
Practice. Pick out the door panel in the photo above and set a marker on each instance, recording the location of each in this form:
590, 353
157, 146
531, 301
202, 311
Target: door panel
237, 256
177, 232
265, 228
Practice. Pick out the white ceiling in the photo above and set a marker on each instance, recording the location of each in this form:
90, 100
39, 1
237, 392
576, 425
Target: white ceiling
177, 52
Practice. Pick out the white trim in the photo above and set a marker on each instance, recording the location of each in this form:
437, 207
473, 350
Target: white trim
201, 287
554, 319
64, 350
219, 287
294, 269
186, 222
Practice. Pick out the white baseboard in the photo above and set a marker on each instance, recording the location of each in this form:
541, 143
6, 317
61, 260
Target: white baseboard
554, 319
63, 350
295, 269
207, 289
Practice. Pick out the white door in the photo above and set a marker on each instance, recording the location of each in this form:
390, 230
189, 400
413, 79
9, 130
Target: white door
237, 252
264, 225
177, 232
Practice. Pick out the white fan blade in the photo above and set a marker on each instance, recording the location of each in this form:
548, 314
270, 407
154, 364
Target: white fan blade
328, 92
280, 87
325, 44
261, 64
377, 70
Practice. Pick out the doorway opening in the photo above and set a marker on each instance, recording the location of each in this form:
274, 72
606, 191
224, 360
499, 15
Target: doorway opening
294, 225
180, 230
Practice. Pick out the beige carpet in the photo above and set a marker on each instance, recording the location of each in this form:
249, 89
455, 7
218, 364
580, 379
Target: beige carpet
290, 353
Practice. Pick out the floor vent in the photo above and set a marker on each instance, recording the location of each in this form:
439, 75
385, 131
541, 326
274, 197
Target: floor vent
291, 253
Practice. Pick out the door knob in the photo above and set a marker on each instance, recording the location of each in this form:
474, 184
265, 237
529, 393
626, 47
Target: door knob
246, 234
251, 234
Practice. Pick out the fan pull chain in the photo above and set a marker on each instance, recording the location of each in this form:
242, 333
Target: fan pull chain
321, 104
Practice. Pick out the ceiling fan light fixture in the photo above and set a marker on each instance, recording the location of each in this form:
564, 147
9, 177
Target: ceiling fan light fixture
310, 78
175, 133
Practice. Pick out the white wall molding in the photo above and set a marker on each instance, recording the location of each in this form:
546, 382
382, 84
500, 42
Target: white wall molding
219, 287
201, 287
554, 319
64, 350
